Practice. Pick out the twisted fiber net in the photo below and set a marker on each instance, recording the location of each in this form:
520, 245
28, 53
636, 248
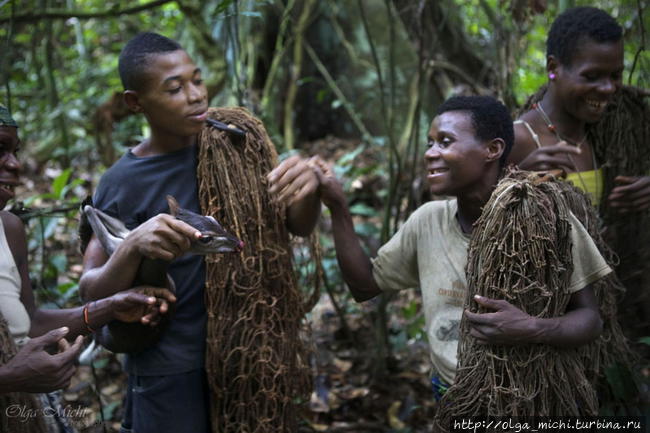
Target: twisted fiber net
25, 402
520, 251
256, 362
621, 142
612, 346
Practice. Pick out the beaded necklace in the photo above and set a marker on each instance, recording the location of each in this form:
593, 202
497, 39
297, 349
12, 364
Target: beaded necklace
551, 127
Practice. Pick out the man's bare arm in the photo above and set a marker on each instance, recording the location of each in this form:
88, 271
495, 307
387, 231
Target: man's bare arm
161, 237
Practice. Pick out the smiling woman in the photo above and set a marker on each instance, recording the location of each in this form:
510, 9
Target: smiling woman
586, 123
584, 65
467, 145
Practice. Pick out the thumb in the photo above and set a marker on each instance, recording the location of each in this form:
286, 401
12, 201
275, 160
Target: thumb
316, 164
322, 168
69, 355
624, 179
319, 173
493, 304
140, 298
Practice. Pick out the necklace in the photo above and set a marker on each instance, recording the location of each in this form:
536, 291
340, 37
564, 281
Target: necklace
538, 107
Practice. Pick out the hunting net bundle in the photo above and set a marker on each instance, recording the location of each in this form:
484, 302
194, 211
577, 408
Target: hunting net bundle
520, 251
621, 142
256, 362
611, 347
19, 411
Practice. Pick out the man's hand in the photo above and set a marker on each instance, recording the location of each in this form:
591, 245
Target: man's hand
549, 158
141, 304
507, 325
292, 180
162, 237
35, 370
632, 194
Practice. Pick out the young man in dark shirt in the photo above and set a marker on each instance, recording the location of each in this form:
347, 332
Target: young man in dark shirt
167, 384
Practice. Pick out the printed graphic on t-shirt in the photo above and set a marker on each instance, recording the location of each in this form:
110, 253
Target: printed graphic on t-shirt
455, 296
449, 332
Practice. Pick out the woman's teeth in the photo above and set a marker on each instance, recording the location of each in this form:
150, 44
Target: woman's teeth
597, 105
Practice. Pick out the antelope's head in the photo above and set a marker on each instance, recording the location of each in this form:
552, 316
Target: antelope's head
214, 238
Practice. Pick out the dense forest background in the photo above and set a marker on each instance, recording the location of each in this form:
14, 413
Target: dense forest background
355, 81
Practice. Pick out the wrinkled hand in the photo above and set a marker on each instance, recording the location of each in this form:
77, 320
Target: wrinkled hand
162, 237
631, 195
507, 325
549, 158
292, 180
141, 304
35, 370
331, 190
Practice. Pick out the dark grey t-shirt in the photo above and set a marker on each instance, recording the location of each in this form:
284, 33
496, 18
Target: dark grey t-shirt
133, 190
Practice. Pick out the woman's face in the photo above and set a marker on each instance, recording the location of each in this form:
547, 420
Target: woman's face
455, 158
587, 85
9, 164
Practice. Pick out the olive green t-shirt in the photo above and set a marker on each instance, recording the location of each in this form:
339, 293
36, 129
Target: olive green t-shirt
430, 251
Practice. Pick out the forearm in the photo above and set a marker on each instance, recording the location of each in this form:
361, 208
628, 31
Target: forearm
99, 313
574, 328
302, 215
114, 275
355, 264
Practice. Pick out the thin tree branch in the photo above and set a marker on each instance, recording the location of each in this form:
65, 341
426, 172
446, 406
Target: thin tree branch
25, 214
6, 58
65, 14
278, 54
642, 46
441, 64
294, 74
339, 94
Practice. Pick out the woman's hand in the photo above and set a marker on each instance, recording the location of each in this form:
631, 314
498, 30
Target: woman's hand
331, 190
508, 325
550, 157
631, 195
292, 180
33, 369
141, 304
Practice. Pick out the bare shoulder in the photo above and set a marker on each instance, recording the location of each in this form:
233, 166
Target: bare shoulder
524, 141
15, 233
11, 223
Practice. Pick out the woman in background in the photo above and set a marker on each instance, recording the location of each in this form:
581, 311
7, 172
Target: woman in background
596, 130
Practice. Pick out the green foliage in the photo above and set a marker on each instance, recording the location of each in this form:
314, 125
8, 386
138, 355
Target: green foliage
49, 234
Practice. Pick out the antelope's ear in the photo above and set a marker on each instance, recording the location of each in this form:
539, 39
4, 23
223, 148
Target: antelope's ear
173, 205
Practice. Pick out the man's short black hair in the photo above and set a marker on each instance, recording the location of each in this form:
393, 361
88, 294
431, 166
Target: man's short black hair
576, 25
490, 118
134, 57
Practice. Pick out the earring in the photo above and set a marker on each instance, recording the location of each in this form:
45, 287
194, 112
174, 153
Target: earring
551, 76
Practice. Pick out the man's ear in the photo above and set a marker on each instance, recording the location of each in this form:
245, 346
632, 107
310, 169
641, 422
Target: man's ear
132, 100
495, 149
